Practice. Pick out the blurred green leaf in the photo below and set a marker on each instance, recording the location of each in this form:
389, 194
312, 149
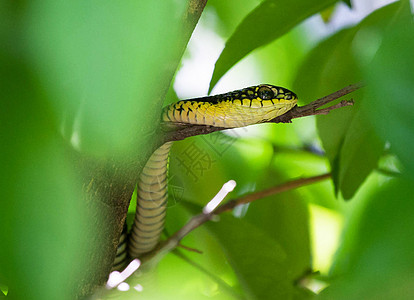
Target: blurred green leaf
106, 75
267, 22
390, 78
377, 255
211, 261
217, 159
331, 61
85, 75
247, 248
230, 13
285, 219
359, 155
348, 136
42, 212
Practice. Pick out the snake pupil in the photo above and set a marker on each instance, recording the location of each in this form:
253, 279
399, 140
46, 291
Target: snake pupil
265, 93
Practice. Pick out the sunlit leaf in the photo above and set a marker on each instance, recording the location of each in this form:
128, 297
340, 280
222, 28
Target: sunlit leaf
390, 79
349, 138
359, 155
268, 21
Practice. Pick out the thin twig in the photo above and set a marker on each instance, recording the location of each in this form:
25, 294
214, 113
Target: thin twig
178, 132
190, 249
198, 220
290, 185
343, 103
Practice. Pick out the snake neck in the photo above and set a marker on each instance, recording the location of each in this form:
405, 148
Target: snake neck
151, 204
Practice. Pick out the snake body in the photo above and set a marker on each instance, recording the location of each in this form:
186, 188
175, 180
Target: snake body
252, 105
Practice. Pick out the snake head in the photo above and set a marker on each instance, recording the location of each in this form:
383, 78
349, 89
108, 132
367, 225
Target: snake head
275, 93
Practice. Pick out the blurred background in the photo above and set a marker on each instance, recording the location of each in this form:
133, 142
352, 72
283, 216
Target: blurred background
83, 84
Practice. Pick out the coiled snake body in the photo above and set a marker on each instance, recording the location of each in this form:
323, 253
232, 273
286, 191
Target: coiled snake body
247, 106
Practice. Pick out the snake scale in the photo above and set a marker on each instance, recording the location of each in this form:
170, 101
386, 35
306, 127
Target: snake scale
252, 105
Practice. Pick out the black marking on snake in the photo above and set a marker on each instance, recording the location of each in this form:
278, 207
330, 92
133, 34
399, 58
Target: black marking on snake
152, 216
152, 230
137, 235
151, 191
155, 183
146, 243
152, 224
150, 181
134, 241
144, 237
154, 208
151, 200
188, 112
122, 252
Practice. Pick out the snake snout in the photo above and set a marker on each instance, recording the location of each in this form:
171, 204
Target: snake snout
291, 96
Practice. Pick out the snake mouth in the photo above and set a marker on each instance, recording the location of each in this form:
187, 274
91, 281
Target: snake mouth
289, 102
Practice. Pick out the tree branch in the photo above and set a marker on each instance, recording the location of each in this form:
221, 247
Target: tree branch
181, 131
290, 185
198, 220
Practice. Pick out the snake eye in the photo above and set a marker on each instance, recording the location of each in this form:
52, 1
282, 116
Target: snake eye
265, 93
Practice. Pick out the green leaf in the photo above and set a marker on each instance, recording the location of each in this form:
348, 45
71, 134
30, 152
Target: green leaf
351, 142
267, 22
259, 261
377, 255
285, 219
359, 154
92, 75
390, 79
107, 66
42, 212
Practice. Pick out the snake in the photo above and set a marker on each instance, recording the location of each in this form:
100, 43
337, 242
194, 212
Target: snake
248, 106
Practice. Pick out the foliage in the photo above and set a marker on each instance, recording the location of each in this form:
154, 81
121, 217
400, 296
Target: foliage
89, 79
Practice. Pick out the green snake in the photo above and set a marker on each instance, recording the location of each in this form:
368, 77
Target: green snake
248, 106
